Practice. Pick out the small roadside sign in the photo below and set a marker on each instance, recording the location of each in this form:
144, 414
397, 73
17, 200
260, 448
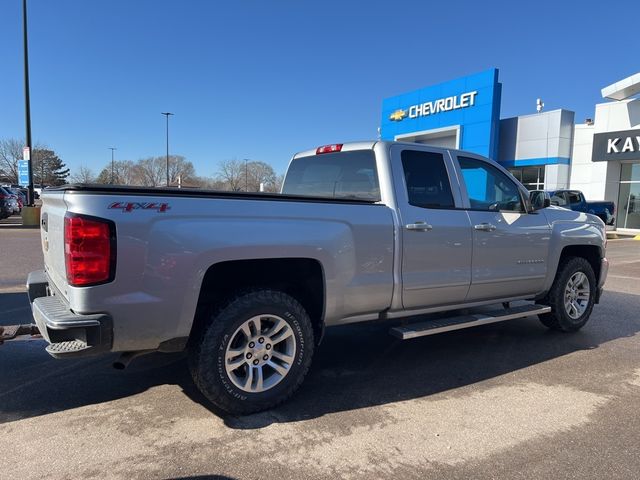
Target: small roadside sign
26, 154
23, 172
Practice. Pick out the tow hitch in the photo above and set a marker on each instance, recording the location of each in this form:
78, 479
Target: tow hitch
19, 332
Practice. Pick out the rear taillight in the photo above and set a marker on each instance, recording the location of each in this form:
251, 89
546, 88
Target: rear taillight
89, 250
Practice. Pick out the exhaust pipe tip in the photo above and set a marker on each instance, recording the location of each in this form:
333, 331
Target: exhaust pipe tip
118, 365
127, 357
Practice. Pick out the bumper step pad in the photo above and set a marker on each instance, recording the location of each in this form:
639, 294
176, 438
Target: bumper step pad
72, 346
442, 325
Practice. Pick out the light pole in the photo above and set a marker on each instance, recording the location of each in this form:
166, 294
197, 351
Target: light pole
166, 114
112, 149
27, 102
246, 175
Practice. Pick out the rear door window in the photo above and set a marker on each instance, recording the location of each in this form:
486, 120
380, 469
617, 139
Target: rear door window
426, 178
345, 175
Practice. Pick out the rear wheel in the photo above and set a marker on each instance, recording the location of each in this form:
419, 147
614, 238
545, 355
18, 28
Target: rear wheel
571, 297
254, 353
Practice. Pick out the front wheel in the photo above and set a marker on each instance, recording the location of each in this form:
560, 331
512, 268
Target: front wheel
254, 353
571, 297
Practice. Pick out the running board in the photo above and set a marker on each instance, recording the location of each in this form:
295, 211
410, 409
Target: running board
441, 325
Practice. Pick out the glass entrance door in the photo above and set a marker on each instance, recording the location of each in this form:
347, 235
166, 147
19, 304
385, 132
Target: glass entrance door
629, 197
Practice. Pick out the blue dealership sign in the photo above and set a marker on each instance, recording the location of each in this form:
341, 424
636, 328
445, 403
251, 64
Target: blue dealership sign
23, 172
468, 106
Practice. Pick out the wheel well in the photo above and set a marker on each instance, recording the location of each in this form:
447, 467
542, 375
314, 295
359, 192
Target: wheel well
302, 278
589, 252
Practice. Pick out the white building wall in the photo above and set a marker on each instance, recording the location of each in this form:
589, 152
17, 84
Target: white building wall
600, 180
556, 177
586, 175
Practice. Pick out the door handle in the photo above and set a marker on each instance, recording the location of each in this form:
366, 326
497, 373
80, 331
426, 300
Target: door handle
419, 227
485, 227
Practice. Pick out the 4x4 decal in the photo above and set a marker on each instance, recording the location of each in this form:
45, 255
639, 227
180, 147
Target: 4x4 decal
131, 206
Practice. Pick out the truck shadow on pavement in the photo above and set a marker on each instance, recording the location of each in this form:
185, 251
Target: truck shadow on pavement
357, 366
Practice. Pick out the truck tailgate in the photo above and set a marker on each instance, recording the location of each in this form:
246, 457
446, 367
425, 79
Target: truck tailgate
52, 235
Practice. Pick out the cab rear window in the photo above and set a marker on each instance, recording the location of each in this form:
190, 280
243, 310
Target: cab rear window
345, 175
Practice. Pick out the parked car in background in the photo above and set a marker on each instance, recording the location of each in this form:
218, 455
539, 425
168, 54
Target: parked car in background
21, 196
21, 192
574, 200
9, 202
6, 210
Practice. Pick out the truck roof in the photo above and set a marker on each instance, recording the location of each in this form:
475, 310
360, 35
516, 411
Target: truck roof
367, 145
346, 147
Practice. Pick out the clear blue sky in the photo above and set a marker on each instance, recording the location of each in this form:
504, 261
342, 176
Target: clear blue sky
263, 79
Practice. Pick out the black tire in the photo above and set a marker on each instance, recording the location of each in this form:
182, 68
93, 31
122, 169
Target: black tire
207, 354
559, 319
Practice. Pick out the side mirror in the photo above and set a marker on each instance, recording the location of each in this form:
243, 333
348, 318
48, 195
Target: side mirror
539, 199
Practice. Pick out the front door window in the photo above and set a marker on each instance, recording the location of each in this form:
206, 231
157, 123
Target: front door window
488, 188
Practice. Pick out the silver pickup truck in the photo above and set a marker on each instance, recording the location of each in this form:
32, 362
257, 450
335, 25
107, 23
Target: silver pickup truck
246, 283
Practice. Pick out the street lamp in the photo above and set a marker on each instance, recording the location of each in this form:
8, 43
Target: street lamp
166, 114
27, 104
246, 175
112, 149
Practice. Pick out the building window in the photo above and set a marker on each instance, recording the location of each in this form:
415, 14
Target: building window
530, 177
629, 197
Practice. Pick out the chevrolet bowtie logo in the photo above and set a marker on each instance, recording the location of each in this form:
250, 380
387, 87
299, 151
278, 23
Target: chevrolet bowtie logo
398, 115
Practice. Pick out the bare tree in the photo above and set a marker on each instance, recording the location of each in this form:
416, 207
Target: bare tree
180, 170
232, 174
276, 186
10, 153
215, 184
46, 166
151, 172
124, 173
83, 175
259, 174
237, 175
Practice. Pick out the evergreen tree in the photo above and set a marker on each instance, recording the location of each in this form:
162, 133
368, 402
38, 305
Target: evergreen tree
48, 168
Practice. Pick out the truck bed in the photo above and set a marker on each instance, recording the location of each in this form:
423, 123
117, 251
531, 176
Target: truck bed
169, 238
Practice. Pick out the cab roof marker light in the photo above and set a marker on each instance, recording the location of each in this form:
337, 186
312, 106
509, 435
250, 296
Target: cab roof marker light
336, 147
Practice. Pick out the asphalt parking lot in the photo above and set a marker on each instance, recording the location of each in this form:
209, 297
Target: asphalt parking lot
509, 400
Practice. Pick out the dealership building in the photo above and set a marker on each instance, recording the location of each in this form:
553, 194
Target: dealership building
544, 150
